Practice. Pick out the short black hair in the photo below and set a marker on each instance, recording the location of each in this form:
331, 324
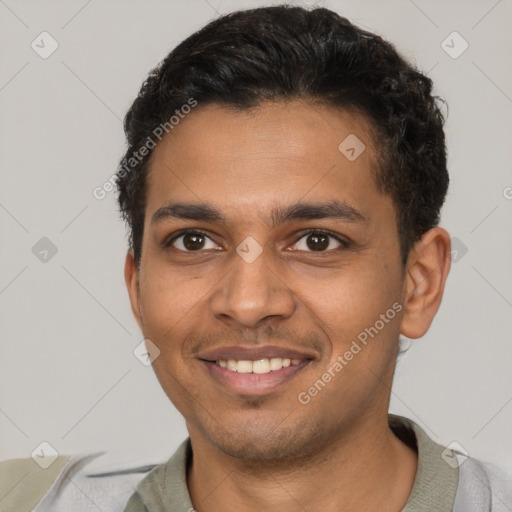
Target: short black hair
282, 53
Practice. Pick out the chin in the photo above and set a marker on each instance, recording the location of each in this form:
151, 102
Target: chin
260, 441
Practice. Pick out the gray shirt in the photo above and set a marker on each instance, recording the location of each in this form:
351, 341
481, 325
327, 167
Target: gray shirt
445, 480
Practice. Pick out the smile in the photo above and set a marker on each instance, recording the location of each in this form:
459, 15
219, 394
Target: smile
260, 366
254, 377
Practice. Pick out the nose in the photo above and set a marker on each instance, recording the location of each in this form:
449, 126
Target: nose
252, 293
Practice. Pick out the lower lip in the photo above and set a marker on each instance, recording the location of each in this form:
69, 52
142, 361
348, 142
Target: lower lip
253, 383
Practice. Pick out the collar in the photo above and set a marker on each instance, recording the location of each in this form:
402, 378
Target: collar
165, 489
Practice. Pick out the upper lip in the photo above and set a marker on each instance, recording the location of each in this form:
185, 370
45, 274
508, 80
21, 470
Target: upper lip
243, 353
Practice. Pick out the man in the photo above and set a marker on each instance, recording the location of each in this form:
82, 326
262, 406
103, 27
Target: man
284, 234
283, 186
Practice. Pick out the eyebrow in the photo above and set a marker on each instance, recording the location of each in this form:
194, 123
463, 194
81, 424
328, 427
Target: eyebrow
335, 209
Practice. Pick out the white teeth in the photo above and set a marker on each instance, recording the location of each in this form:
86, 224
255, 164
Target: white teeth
259, 366
244, 367
276, 363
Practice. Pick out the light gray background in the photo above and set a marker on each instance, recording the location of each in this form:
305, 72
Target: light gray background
67, 372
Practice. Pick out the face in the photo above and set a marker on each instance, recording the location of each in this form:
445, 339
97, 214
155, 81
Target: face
277, 312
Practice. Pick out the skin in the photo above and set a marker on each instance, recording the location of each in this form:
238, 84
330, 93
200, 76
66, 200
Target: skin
262, 451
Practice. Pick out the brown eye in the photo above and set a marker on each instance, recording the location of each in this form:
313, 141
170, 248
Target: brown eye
192, 241
319, 242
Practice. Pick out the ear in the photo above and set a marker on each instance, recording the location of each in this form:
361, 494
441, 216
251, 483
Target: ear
131, 278
427, 268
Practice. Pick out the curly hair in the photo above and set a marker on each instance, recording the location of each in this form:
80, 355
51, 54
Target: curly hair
283, 53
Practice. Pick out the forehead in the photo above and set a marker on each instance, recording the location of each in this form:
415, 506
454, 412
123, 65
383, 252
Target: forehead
278, 153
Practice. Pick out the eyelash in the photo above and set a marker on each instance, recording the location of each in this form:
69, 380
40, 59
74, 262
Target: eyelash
195, 231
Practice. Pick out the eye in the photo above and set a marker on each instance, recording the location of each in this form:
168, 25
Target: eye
319, 241
191, 241
194, 240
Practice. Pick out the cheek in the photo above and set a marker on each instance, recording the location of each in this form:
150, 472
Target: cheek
350, 295
169, 310
169, 306
349, 307
166, 296
363, 344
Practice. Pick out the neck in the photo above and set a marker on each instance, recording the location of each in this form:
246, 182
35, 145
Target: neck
367, 468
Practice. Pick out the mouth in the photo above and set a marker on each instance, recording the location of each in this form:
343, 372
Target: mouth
254, 371
259, 366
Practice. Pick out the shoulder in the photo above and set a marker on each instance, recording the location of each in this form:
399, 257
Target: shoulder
65, 485
23, 482
447, 476
482, 487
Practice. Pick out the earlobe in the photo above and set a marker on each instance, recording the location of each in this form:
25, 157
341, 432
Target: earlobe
131, 278
427, 270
